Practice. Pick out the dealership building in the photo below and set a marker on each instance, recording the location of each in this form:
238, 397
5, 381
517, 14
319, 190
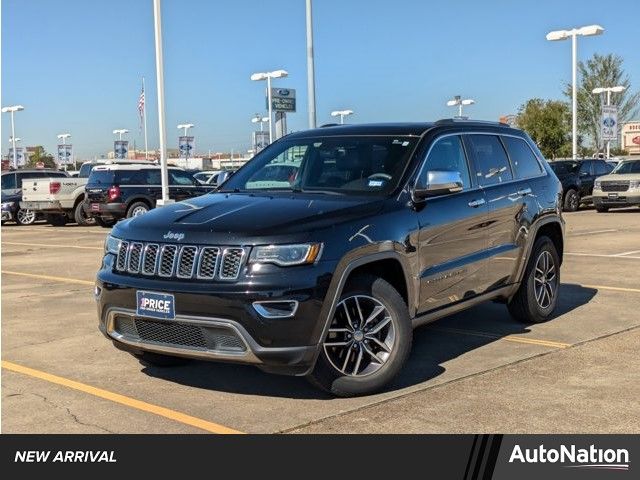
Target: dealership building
630, 140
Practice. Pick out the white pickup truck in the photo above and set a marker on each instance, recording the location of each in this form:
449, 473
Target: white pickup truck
60, 199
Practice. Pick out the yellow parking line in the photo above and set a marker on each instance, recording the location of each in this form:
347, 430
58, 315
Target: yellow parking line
49, 277
121, 399
48, 245
508, 338
615, 289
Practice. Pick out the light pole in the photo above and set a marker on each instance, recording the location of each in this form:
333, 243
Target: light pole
557, 35
609, 90
63, 137
164, 173
12, 109
311, 76
261, 120
268, 76
341, 114
120, 132
458, 102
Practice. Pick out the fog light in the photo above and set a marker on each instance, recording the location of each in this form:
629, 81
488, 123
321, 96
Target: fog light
276, 308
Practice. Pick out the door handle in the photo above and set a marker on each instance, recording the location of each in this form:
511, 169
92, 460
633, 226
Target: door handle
524, 192
477, 203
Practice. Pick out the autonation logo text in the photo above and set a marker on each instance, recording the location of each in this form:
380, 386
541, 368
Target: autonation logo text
574, 457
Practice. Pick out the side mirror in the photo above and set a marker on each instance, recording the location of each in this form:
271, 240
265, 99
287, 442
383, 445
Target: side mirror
439, 182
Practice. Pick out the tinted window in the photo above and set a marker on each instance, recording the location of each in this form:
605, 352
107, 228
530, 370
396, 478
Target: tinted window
564, 168
144, 176
585, 168
178, 177
624, 167
525, 163
602, 168
492, 164
447, 154
85, 170
101, 177
9, 181
358, 165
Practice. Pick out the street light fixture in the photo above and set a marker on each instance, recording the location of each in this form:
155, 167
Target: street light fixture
609, 90
186, 126
457, 102
342, 114
12, 109
120, 132
261, 120
256, 77
557, 35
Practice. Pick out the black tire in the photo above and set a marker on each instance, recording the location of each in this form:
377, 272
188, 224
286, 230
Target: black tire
25, 217
571, 200
137, 207
80, 216
57, 220
328, 378
524, 306
159, 360
601, 209
105, 222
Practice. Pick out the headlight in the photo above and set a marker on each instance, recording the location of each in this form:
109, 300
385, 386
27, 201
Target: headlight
287, 255
111, 245
634, 185
596, 185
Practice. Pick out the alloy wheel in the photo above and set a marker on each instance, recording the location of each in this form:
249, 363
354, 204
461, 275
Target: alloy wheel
26, 217
361, 336
545, 280
136, 212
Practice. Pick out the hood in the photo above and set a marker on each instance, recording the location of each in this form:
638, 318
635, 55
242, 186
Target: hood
617, 177
241, 218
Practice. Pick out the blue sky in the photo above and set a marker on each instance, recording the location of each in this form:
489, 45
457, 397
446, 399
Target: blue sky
76, 65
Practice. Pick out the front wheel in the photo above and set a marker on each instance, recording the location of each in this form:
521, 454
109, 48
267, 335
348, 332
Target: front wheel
537, 296
368, 340
25, 216
571, 201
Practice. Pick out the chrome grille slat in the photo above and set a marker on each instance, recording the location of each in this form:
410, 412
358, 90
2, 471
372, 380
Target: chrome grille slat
135, 256
168, 255
615, 186
208, 263
186, 262
150, 259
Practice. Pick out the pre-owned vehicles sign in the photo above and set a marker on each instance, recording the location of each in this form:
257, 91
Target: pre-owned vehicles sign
609, 122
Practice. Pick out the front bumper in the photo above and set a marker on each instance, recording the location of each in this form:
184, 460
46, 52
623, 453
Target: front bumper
616, 199
217, 321
6, 216
48, 206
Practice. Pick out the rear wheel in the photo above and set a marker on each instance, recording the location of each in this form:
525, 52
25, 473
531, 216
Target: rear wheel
105, 222
57, 220
81, 217
368, 340
159, 360
536, 299
136, 209
602, 209
571, 201
25, 216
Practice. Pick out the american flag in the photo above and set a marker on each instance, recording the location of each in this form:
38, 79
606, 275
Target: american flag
141, 106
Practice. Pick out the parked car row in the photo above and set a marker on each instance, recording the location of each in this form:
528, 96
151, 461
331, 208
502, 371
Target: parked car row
598, 182
103, 192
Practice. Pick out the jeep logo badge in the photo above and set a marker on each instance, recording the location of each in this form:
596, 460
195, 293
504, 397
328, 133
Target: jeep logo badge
177, 236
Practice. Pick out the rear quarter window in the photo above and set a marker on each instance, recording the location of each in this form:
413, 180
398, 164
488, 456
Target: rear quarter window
522, 158
101, 177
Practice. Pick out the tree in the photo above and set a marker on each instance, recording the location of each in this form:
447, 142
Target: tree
602, 71
548, 123
41, 156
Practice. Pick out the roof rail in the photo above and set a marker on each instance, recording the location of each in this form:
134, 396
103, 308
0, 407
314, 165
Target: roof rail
450, 121
330, 125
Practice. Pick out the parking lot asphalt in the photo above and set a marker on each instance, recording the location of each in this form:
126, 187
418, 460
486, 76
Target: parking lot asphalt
477, 371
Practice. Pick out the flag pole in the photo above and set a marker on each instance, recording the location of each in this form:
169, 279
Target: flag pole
144, 119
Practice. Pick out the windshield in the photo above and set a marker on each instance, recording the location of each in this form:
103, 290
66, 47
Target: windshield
85, 170
627, 167
564, 167
358, 165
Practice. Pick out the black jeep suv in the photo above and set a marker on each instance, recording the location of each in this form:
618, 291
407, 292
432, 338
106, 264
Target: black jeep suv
577, 178
325, 273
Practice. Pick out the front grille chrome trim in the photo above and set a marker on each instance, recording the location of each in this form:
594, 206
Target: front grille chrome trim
150, 247
226, 253
204, 251
134, 257
181, 261
165, 252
